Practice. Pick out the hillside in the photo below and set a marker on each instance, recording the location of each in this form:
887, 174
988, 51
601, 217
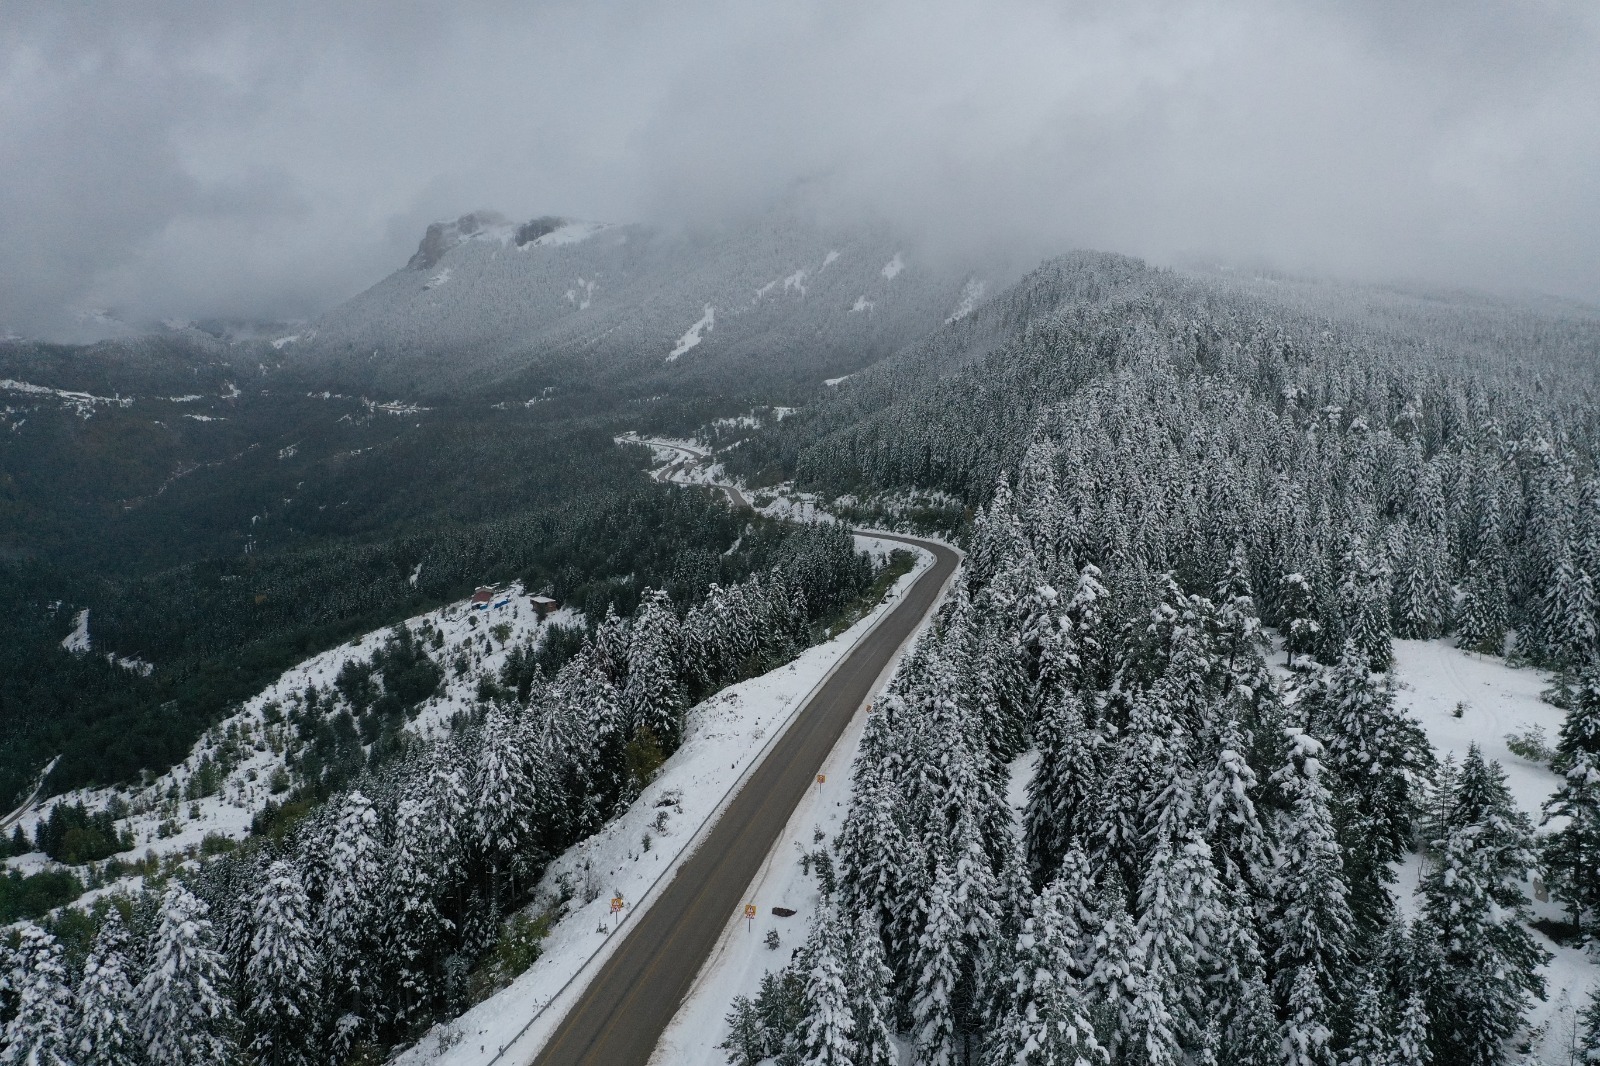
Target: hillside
777, 302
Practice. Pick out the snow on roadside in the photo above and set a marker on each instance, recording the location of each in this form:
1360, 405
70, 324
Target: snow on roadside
741, 956
727, 734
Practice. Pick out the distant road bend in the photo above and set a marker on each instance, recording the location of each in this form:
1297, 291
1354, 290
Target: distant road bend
622, 1013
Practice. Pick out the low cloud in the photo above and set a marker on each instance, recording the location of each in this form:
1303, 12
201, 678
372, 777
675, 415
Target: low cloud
254, 160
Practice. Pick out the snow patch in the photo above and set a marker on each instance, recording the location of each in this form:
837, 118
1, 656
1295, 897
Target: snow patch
796, 283
689, 340
828, 259
970, 295
77, 641
581, 294
892, 268
862, 304
81, 404
292, 338
830, 382
437, 280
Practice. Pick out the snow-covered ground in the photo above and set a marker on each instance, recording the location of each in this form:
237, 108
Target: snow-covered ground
1498, 701
727, 736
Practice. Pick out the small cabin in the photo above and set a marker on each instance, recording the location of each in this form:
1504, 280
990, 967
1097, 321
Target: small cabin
482, 597
543, 606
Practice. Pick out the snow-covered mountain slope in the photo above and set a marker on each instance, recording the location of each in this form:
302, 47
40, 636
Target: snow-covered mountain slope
255, 756
484, 299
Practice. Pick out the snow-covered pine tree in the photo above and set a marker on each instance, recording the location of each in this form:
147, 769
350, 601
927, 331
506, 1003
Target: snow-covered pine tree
1310, 925
1379, 759
1372, 1030
1588, 1037
1567, 616
1239, 640
1411, 1045
936, 968
105, 1033
1232, 825
1363, 599
1474, 904
40, 1033
1307, 1039
1303, 631
827, 1036
504, 799
1066, 787
1572, 853
185, 1015
870, 846
285, 1015
1042, 1019
415, 931
867, 978
653, 698
348, 921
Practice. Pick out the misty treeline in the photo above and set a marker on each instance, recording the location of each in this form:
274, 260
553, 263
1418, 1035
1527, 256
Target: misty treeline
1205, 869
410, 892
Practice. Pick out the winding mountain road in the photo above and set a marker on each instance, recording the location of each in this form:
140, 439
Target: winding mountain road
622, 1013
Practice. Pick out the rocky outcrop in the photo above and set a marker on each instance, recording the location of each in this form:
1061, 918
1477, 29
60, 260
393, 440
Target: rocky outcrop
443, 236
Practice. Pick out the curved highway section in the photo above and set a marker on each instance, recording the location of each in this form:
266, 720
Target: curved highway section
628, 1004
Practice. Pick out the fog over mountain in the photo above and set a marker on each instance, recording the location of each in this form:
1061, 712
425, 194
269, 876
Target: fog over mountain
249, 161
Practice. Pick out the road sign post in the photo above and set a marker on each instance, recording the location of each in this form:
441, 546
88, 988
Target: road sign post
750, 915
616, 909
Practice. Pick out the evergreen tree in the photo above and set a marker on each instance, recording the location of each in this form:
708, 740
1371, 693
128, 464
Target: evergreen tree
936, 966
415, 930
653, 698
827, 1037
185, 1016
1411, 1046
1310, 925
1474, 904
284, 973
1303, 631
1042, 1020
868, 980
1064, 793
1371, 1037
1307, 1040
1379, 759
1572, 852
106, 1004
1364, 607
1232, 825
1482, 616
503, 800
349, 920
40, 1033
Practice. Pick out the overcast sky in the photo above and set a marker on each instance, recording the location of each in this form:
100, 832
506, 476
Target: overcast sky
271, 158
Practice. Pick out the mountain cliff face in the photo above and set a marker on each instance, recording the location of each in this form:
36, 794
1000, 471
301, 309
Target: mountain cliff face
485, 301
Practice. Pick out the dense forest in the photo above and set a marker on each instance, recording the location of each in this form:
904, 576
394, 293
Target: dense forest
394, 901
1205, 868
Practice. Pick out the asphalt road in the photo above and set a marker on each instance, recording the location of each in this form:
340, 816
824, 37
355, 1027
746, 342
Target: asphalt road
622, 1014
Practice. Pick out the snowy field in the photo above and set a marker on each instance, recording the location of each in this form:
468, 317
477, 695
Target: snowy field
1498, 701
727, 736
